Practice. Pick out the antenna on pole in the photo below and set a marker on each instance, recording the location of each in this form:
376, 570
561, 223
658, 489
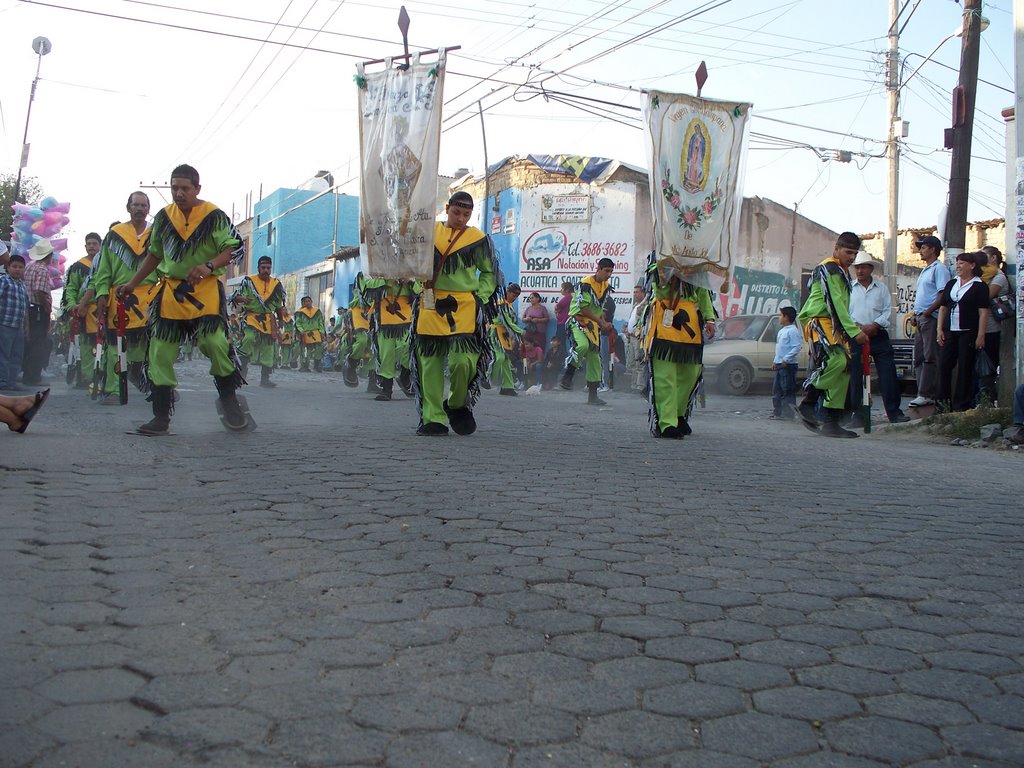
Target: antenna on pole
701, 76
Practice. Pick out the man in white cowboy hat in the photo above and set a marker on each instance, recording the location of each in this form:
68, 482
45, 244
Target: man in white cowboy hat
37, 283
871, 308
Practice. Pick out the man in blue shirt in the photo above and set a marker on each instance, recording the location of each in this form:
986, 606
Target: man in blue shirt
13, 306
871, 310
930, 282
787, 354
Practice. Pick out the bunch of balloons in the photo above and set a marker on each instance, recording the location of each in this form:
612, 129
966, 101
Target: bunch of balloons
35, 222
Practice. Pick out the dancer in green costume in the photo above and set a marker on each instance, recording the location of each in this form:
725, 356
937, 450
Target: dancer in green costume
506, 334
827, 324
449, 320
121, 255
262, 298
310, 332
677, 319
586, 321
191, 243
76, 283
389, 332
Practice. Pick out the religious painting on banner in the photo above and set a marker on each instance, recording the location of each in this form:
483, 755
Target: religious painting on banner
399, 134
695, 149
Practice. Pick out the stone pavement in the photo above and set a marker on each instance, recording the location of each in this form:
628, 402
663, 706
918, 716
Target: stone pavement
557, 590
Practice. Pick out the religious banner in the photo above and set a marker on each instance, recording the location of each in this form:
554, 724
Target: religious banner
695, 149
399, 136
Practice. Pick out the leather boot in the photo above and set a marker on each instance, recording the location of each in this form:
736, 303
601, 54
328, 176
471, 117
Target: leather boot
566, 382
162, 407
831, 426
405, 381
265, 377
233, 416
386, 387
592, 398
372, 383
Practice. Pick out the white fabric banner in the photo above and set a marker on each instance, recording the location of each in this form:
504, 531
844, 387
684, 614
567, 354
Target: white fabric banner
400, 136
695, 150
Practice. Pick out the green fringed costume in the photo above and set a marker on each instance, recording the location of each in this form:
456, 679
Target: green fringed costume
825, 318
584, 337
286, 341
309, 333
180, 310
356, 335
673, 323
505, 334
449, 326
392, 322
261, 305
76, 281
120, 257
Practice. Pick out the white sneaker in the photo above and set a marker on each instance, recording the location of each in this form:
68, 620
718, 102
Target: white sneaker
917, 402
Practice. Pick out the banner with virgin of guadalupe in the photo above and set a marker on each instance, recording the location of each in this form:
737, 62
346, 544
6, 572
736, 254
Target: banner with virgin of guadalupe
695, 148
399, 138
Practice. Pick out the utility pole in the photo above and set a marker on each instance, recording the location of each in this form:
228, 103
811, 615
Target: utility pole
963, 126
892, 153
1018, 192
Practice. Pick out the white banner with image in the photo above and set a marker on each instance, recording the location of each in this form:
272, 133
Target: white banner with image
400, 135
695, 151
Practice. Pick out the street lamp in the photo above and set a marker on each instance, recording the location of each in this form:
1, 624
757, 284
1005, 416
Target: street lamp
959, 32
42, 46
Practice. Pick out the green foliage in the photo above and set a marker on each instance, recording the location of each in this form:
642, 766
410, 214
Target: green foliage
966, 424
30, 192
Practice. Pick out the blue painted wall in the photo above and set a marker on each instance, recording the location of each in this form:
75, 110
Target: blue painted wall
303, 236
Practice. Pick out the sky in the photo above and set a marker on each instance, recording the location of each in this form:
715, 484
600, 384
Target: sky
269, 99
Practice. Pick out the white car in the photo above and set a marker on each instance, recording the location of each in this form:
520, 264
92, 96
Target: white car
742, 351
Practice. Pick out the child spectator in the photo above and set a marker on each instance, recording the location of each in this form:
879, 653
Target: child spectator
13, 307
787, 359
554, 362
533, 361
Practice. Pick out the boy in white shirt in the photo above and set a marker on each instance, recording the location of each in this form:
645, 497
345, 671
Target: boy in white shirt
785, 364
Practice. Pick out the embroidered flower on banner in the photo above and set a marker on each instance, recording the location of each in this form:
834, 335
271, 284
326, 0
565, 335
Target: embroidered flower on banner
690, 217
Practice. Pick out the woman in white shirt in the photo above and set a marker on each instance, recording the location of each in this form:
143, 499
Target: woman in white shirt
961, 331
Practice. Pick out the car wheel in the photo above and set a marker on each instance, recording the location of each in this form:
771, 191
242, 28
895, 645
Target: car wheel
735, 377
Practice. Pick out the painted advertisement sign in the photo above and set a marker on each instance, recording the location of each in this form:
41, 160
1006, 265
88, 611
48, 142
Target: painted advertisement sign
551, 254
565, 208
754, 292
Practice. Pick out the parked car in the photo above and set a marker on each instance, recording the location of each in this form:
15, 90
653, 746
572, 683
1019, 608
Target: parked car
742, 351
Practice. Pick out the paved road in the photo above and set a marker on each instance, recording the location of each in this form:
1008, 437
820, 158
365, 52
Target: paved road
557, 590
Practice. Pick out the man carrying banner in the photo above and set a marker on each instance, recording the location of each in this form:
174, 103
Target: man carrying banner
191, 243
121, 255
828, 327
262, 299
677, 318
585, 324
310, 331
449, 322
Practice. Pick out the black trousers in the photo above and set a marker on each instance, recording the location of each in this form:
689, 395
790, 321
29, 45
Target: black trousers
37, 345
958, 352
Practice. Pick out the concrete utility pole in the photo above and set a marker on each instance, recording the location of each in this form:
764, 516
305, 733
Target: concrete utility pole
1018, 192
892, 153
963, 126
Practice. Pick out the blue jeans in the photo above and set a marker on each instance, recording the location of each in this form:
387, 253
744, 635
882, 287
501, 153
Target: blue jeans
784, 389
1018, 404
12, 348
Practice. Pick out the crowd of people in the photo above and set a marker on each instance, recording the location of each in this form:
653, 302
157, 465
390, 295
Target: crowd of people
144, 293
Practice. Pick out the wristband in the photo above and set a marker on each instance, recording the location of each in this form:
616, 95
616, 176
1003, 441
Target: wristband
209, 266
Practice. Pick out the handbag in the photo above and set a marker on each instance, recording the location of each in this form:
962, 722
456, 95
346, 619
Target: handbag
1002, 307
983, 367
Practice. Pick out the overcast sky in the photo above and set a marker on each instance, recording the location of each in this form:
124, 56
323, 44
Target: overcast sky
122, 102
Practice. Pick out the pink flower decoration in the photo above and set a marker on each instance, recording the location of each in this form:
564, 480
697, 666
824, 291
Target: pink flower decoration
707, 207
664, 183
674, 201
690, 216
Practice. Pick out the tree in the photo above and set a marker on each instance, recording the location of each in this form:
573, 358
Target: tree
30, 192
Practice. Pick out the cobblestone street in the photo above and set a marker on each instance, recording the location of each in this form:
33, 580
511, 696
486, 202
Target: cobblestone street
557, 590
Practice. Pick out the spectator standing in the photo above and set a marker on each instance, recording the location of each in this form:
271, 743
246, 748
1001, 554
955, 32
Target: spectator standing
535, 321
40, 303
962, 316
562, 313
930, 283
871, 308
634, 347
787, 359
994, 273
13, 309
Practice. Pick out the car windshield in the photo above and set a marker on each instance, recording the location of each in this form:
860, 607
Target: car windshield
746, 327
